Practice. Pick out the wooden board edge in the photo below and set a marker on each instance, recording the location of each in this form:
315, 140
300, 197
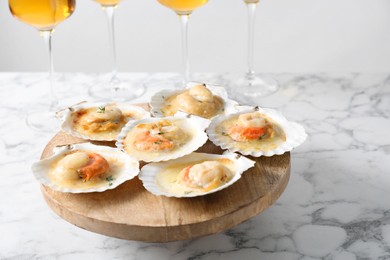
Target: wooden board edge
168, 234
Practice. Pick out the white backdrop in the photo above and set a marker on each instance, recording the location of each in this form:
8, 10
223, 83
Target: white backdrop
291, 36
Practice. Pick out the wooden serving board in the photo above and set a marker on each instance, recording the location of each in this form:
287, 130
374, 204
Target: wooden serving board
131, 212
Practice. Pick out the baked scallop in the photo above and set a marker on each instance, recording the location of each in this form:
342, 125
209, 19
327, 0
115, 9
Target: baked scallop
257, 132
202, 100
194, 175
100, 122
161, 139
84, 168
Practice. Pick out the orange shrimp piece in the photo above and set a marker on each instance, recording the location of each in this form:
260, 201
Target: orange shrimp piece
96, 166
240, 133
184, 178
184, 174
147, 142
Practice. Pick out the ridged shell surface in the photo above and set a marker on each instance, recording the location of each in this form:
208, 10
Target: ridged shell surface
125, 168
192, 125
69, 127
294, 132
150, 171
158, 100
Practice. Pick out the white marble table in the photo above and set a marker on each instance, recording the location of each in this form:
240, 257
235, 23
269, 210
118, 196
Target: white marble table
336, 205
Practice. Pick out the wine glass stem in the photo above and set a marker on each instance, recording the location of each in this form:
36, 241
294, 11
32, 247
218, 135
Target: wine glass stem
251, 33
109, 10
47, 35
184, 37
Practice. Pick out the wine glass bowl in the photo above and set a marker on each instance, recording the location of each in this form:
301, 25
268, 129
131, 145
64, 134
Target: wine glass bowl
108, 2
183, 7
43, 15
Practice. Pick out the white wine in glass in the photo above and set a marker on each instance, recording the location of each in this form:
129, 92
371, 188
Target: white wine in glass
44, 15
115, 89
183, 9
251, 84
108, 2
183, 6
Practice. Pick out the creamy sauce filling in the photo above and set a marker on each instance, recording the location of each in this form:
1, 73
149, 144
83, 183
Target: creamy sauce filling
133, 147
185, 102
167, 179
83, 123
265, 143
104, 180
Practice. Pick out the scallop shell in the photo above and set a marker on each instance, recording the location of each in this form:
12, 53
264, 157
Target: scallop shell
158, 100
67, 125
295, 133
192, 124
149, 172
127, 171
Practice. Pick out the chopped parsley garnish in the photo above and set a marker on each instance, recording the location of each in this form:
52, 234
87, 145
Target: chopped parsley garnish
101, 109
109, 179
188, 192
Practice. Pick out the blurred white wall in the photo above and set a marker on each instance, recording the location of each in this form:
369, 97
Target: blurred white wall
291, 36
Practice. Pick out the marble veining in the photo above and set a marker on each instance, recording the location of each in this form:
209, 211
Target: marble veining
336, 205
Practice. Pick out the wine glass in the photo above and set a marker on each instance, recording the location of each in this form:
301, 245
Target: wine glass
44, 15
115, 88
253, 85
183, 9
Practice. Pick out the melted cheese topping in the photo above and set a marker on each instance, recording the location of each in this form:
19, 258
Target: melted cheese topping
152, 139
251, 132
66, 168
251, 120
63, 171
103, 124
205, 176
197, 100
202, 176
